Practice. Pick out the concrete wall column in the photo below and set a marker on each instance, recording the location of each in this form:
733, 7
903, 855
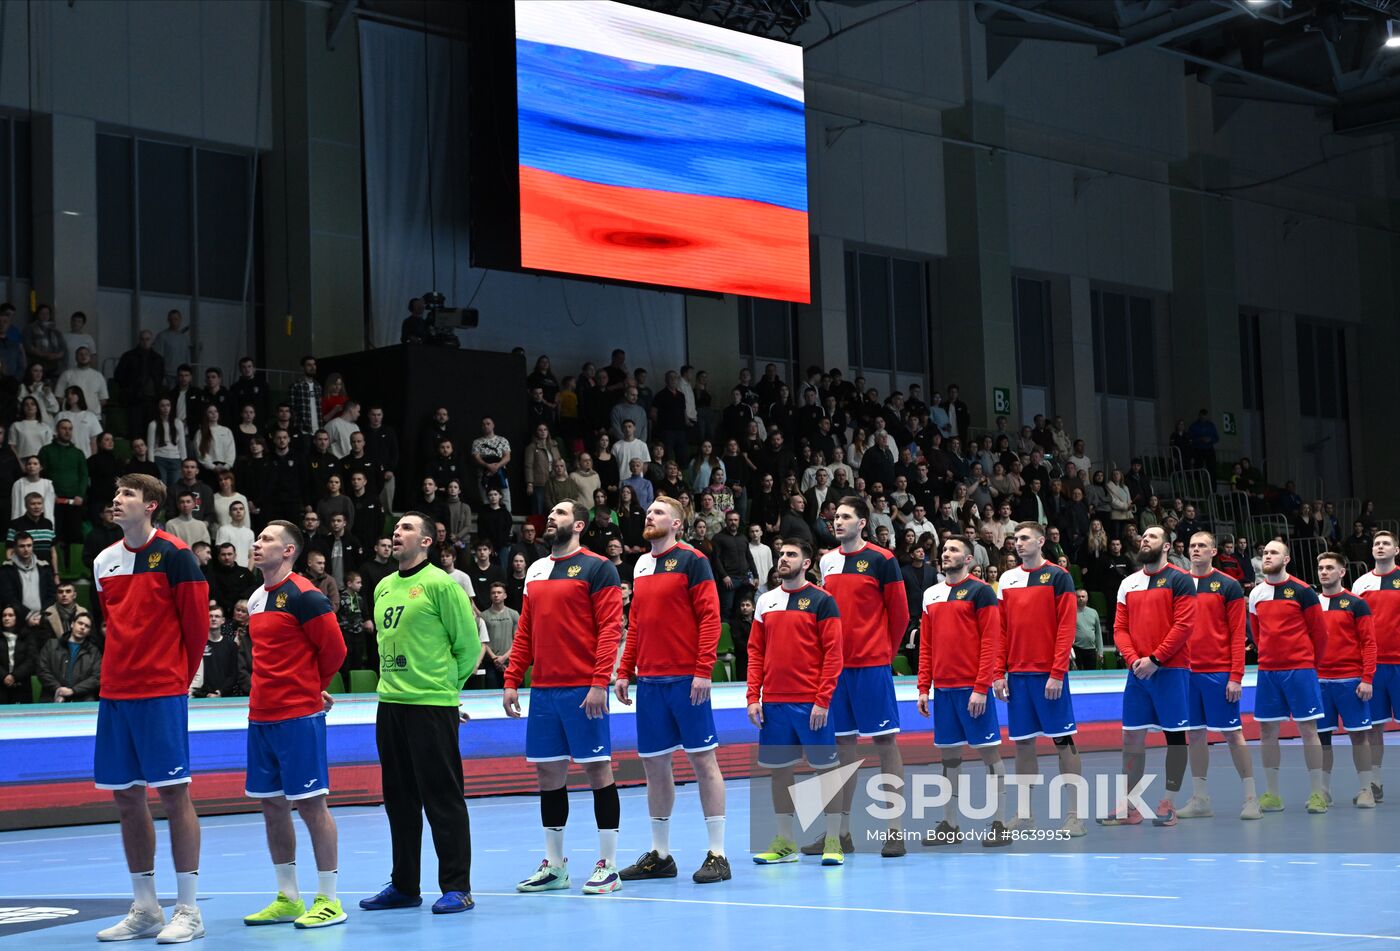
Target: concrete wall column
64, 157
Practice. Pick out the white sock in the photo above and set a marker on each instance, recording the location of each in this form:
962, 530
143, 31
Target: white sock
325, 883
1315, 777
1249, 792
714, 827
1365, 778
1326, 781
554, 845
845, 823
1271, 779
998, 770
607, 845
287, 880
950, 808
661, 836
143, 888
785, 825
186, 887
833, 823
1198, 788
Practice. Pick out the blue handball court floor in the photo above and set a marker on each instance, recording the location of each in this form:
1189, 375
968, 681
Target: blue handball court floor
1203, 881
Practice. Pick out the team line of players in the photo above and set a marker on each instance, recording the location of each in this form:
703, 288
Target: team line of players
819, 677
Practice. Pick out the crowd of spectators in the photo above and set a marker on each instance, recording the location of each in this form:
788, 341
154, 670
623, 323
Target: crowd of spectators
750, 462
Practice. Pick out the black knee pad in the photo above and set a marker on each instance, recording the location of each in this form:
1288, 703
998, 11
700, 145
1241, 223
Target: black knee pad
1176, 737
1064, 742
950, 762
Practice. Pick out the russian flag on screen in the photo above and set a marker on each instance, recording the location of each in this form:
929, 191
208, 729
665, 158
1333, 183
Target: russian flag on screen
659, 150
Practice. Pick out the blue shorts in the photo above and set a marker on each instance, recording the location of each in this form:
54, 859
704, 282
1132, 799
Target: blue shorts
1208, 707
864, 702
667, 721
1029, 714
1280, 694
954, 726
1158, 703
787, 735
142, 742
558, 729
1339, 700
287, 758
1385, 700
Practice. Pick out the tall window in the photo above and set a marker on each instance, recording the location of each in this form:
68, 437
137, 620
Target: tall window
1252, 388
886, 319
1034, 361
1325, 465
16, 246
173, 219
1125, 374
766, 336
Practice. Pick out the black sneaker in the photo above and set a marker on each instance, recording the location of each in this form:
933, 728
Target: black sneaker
819, 846
945, 833
649, 865
715, 868
997, 836
894, 846
1378, 791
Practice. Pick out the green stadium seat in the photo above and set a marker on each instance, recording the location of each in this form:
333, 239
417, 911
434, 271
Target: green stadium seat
901, 666
1099, 603
363, 681
726, 640
525, 681
73, 567
121, 448
337, 685
84, 594
35, 688
720, 674
1078, 575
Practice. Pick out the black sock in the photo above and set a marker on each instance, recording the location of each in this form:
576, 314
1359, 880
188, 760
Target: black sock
1176, 759
607, 808
554, 807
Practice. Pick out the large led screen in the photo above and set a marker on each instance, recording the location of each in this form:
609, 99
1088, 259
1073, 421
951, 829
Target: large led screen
658, 150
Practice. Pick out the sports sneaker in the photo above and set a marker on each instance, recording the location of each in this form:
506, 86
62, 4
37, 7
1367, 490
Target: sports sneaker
894, 846
1196, 808
1327, 795
649, 865
831, 852
1271, 802
1378, 791
714, 869
450, 903
1364, 800
1022, 823
818, 847
1131, 818
1166, 814
780, 850
997, 836
1317, 805
390, 897
186, 924
603, 880
282, 911
1074, 827
1251, 809
325, 912
546, 878
138, 923
945, 833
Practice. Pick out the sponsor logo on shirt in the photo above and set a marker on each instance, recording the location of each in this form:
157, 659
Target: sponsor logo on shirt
597, 749
176, 771
574, 570
281, 599
415, 591
153, 560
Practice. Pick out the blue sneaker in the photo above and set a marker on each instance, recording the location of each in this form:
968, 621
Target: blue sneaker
390, 897
452, 902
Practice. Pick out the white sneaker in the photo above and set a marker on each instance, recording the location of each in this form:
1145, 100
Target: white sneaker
1021, 823
1251, 809
1196, 808
1074, 826
185, 925
138, 923
1364, 799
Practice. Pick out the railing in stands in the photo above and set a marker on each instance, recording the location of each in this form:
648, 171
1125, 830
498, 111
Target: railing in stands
1228, 513
1304, 552
1193, 485
1265, 528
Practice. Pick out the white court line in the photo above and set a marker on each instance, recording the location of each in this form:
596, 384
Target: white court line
1042, 891
1252, 861
1356, 865
1302, 863
1151, 858
1200, 860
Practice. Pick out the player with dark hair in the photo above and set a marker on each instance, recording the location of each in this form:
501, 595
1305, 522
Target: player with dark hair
1156, 617
297, 648
156, 605
428, 647
1380, 589
959, 650
673, 633
1217, 675
570, 626
868, 586
794, 663
1346, 674
1038, 614
1292, 637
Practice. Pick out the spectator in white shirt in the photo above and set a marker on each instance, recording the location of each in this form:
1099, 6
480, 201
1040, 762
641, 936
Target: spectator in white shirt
82, 374
236, 532
1080, 458
185, 526
86, 426
166, 438
29, 433
226, 498
762, 554
32, 481
342, 428
213, 444
629, 447
34, 387
919, 521
77, 339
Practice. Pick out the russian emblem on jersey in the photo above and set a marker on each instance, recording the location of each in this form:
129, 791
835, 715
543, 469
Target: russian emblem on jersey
804, 603
862, 566
1344, 603
1395, 582
415, 591
153, 560
574, 570
962, 593
1288, 592
1215, 586
1161, 582
670, 564
1044, 577
281, 600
